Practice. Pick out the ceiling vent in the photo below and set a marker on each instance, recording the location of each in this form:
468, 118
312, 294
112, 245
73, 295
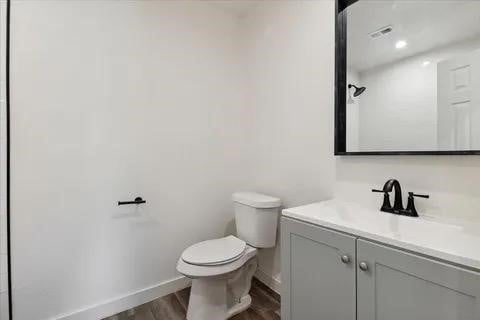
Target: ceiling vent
381, 32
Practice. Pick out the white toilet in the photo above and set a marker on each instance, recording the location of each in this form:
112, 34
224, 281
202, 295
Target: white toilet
222, 269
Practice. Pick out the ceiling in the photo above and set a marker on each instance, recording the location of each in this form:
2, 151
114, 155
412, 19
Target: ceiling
423, 24
239, 8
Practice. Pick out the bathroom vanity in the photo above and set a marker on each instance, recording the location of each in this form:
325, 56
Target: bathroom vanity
345, 262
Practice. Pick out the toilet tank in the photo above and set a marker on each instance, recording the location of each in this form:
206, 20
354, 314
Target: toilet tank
256, 218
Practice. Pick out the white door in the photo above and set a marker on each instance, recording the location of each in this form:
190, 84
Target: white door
458, 103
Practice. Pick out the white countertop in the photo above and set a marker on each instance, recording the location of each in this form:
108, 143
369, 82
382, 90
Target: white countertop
456, 243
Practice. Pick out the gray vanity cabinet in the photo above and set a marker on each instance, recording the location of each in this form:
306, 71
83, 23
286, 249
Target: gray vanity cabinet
318, 273
398, 285
376, 282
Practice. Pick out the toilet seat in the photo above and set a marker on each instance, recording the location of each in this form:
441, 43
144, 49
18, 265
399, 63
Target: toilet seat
196, 271
214, 252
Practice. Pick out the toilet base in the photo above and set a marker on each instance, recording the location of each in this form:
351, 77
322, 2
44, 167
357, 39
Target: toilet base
241, 306
221, 297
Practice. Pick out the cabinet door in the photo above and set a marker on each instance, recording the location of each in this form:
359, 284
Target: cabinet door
316, 283
398, 285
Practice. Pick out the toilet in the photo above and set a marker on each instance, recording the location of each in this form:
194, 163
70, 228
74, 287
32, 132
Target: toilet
222, 269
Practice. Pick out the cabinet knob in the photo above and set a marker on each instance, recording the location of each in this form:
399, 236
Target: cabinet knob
345, 259
363, 266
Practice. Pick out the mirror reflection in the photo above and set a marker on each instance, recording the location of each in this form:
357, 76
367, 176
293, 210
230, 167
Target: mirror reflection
413, 73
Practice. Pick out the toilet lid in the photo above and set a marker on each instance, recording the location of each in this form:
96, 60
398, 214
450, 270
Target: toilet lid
214, 252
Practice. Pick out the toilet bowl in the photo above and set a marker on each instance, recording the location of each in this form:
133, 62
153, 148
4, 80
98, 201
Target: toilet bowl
220, 285
222, 269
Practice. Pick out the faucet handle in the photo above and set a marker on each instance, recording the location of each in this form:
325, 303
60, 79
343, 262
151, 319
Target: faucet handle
386, 206
411, 210
411, 194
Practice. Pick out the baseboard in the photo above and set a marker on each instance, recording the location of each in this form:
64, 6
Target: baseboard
136, 298
133, 299
268, 280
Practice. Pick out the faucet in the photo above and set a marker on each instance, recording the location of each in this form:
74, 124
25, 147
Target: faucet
394, 185
390, 185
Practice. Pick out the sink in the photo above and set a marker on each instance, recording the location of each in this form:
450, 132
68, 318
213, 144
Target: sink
426, 235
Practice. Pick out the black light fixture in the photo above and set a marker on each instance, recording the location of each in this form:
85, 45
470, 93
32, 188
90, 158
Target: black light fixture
358, 91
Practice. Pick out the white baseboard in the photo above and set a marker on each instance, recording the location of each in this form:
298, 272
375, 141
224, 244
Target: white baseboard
128, 301
136, 298
268, 280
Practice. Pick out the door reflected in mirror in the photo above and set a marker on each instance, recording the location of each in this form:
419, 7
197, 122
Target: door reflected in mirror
413, 76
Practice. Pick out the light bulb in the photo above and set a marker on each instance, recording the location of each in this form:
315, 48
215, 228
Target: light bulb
401, 44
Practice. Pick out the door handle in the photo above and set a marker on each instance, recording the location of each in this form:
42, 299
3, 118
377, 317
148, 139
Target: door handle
363, 266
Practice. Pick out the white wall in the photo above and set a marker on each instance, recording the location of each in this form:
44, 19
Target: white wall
451, 181
399, 108
200, 115
110, 100
290, 47
3, 190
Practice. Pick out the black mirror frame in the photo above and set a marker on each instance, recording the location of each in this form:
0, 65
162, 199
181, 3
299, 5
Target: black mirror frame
341, 94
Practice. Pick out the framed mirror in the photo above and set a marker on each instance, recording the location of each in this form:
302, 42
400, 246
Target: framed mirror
407, 77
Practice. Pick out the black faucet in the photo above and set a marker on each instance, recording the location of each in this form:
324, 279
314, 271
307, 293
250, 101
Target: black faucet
397, 208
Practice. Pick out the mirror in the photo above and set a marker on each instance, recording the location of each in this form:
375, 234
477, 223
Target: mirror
410, 77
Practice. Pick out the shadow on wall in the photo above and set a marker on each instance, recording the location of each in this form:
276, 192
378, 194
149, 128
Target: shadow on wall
231, 228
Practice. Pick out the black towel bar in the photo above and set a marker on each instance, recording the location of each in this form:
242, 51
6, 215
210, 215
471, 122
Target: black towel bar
138, 200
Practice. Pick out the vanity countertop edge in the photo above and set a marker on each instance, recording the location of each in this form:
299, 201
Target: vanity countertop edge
455, 243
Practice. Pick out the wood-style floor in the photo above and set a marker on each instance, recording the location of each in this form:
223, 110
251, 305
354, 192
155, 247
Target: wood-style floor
265, 306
